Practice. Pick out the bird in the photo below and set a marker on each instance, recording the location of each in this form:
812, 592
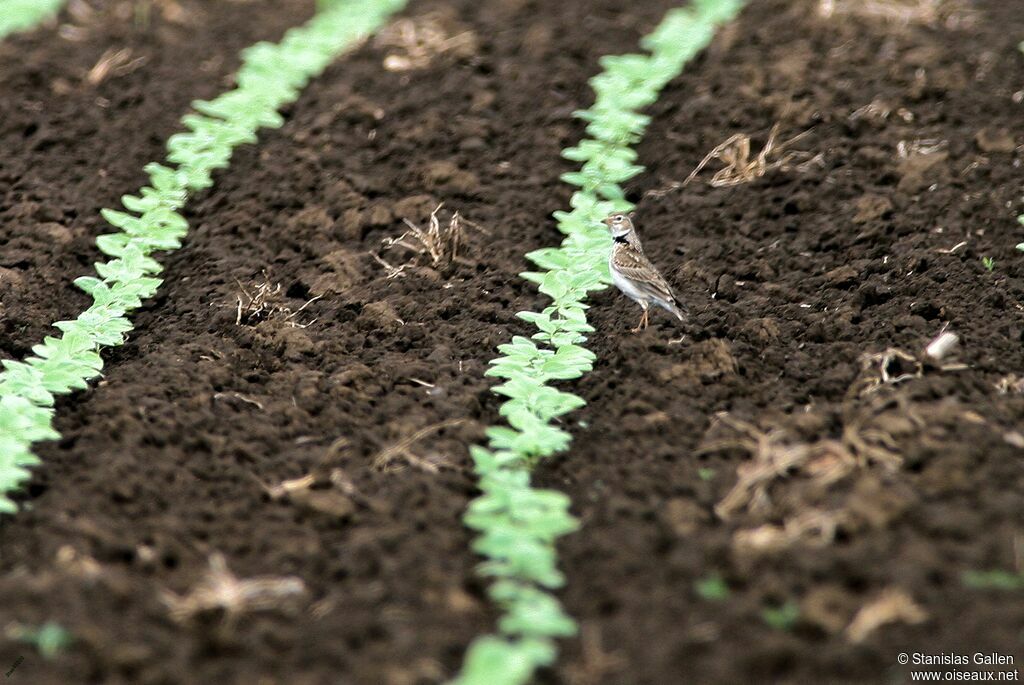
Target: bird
634, 274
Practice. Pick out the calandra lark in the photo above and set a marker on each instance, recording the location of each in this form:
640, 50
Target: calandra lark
633, 272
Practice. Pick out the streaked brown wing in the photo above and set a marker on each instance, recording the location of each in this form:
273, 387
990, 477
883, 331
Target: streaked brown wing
638, 268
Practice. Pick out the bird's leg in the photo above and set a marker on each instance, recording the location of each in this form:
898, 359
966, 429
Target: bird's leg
643, 322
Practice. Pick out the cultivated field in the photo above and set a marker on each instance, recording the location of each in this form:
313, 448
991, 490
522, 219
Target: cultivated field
328, 449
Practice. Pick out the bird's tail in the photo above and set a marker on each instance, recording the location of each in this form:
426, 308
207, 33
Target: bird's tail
677, 308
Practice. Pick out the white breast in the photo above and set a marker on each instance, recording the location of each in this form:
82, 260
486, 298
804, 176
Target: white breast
626, 285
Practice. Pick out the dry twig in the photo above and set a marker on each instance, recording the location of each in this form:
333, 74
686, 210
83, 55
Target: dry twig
740, 168
921, 147
890, 606
403, 449
222, 591
114, 63
814, 527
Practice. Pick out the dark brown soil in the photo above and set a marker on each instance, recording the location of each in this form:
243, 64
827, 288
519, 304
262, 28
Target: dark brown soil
808, 272
790, 280
75, 135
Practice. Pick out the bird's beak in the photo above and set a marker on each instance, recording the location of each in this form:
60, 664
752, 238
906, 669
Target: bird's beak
607, 221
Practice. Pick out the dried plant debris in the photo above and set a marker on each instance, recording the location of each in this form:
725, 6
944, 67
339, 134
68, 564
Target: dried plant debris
265, 301
397, 456
741, 168
801, 485
789, 475
221, 594
920, 148
879, 110
326, 489
774, 455
309, 492
893, 366
952, 14
893, 605
888, 367
415, 43
113, 64
75, 563
438, 245
1011, 384
596, 661
868, 438
84, 16
814, 528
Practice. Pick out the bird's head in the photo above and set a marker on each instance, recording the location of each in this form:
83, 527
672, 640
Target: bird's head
619, 224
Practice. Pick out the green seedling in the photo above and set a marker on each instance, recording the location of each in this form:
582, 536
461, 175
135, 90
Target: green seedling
782, 617
49, 639
993, 580
712, 588
989, 263
270, 77
21, 15
706, 474
518, 525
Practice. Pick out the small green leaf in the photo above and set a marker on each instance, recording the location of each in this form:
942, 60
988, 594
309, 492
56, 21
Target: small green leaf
993, 580
712, 588
783, 617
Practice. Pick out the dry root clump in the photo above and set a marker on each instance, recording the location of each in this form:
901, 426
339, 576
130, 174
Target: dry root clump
439, 243
951, 14
222, 593
415, 43
264, 301
740, 168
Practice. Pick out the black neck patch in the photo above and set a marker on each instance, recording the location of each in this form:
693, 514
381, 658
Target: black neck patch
621, 239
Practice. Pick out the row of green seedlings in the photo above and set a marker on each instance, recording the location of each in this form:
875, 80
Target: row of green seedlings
272, 75
22, 15
518, 524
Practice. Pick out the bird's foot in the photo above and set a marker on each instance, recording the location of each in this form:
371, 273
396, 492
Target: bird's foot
643, 323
